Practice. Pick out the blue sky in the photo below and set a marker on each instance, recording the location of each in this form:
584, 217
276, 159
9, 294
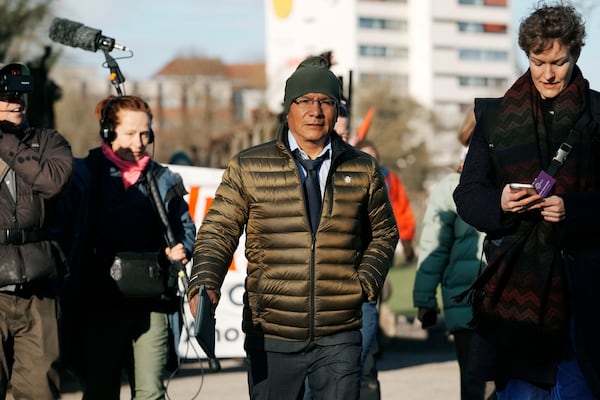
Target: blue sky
233, 30
158, 31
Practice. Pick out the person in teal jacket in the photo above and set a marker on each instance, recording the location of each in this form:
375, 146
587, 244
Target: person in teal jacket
450, 255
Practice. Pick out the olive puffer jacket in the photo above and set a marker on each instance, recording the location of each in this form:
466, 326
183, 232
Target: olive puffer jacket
42, 163
299, 288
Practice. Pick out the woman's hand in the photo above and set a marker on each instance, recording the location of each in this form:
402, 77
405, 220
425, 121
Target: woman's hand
518, 201
177, 253
553, 209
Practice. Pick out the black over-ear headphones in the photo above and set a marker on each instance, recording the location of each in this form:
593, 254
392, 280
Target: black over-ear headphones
107, 131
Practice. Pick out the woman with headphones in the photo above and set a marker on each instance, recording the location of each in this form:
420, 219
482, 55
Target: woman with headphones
121, 258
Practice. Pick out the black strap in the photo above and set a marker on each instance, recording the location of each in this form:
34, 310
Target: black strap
22, 236
565, 148
486, 111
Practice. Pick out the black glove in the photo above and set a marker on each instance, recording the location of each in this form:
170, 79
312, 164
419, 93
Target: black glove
427, 316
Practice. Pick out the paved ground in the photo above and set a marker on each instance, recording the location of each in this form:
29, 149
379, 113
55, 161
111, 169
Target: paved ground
412, 367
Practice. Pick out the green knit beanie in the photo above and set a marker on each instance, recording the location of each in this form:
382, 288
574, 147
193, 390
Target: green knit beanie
311, 76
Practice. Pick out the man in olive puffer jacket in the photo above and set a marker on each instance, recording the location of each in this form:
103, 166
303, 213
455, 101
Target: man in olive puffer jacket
304, 289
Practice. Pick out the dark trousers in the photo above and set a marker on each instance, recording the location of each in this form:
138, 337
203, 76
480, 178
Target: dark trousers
29, 355
369, 383
135, 340
332, 371
470, 388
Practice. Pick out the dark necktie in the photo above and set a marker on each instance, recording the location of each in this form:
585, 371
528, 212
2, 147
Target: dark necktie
312, 189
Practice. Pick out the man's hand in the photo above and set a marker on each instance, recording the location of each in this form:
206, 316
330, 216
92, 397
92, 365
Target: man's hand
213, 295
193, 303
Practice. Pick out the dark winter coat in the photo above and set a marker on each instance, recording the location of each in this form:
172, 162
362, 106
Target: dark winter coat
42, 163
103, 218
518, 157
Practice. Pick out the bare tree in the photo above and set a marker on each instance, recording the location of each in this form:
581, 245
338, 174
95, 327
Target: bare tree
20, 20
76, 120
395, 131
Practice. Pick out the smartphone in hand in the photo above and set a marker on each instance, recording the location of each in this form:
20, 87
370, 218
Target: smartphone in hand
520, 186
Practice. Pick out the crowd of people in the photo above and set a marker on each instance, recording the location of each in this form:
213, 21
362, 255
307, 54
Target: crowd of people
94, 249
90, 251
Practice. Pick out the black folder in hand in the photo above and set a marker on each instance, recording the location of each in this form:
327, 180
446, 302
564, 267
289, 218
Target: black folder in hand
204, 325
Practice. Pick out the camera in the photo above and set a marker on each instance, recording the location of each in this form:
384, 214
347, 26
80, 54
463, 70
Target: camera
15, 78
10, 83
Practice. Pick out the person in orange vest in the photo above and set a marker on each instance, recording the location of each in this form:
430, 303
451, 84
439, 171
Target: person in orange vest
405, 221
403, 213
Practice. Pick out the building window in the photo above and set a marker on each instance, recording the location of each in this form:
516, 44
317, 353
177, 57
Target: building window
475, 27
472, 81
487, 55
493, 3
494, 28
470, 27
469, 54
379, 23
495, 55
382, 51
481, 81
372, 51
383, 1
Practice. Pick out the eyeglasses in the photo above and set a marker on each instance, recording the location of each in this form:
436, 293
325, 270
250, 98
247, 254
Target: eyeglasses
305, 103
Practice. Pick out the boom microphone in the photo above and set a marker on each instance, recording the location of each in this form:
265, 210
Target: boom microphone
74, 34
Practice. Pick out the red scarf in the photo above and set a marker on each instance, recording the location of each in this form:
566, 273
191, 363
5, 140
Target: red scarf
130, 170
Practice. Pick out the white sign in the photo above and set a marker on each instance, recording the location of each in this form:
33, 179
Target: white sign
201, 184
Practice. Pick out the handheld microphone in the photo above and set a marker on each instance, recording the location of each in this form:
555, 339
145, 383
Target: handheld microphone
74, 34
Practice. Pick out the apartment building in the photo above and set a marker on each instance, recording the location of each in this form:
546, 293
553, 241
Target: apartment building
200, 105
442, 53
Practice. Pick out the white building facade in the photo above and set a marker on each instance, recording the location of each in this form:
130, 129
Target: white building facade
442, 53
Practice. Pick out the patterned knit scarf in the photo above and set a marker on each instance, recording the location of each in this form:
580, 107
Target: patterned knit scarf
519, 301
520, 129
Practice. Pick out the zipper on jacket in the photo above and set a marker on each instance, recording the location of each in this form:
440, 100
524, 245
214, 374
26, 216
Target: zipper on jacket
15, 224
312, 287
313, 247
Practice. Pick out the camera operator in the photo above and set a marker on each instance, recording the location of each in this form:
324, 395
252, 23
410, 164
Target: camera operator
35, 164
